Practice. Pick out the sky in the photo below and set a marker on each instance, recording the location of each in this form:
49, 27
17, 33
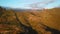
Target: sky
26, 4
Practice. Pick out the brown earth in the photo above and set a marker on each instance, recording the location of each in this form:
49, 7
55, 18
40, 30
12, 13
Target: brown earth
15, 22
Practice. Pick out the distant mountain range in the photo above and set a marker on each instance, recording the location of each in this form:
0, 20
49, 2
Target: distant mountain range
33, 22
20, 9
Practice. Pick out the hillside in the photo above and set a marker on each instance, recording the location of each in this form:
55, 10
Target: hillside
30, 22
51, 18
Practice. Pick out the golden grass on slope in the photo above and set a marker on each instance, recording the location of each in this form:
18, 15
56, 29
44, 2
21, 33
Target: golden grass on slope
51, 18
35, 19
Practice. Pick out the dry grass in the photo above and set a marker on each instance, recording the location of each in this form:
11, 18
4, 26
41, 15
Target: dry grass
35, 19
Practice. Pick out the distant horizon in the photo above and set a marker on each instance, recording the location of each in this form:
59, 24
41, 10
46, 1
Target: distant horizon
24, 4
27, 8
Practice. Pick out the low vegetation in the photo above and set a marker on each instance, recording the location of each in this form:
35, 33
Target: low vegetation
45, 21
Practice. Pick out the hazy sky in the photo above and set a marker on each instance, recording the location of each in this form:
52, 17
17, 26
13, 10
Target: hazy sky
25, 3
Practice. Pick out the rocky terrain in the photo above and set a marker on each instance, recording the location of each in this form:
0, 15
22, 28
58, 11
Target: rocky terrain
30, 21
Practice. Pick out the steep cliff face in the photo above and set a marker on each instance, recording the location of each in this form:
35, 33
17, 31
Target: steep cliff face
28, 22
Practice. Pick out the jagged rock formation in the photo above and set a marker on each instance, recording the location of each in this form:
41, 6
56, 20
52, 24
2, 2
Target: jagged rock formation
38, 22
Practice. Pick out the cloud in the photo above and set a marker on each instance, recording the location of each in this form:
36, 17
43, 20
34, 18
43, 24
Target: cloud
41, 4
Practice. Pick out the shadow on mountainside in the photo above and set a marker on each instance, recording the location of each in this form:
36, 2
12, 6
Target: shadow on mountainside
26, 29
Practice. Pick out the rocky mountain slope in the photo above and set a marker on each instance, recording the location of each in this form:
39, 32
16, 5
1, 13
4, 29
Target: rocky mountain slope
30, 22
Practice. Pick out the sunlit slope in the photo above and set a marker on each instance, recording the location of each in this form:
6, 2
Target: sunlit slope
51, 18
11, 21
33, 19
